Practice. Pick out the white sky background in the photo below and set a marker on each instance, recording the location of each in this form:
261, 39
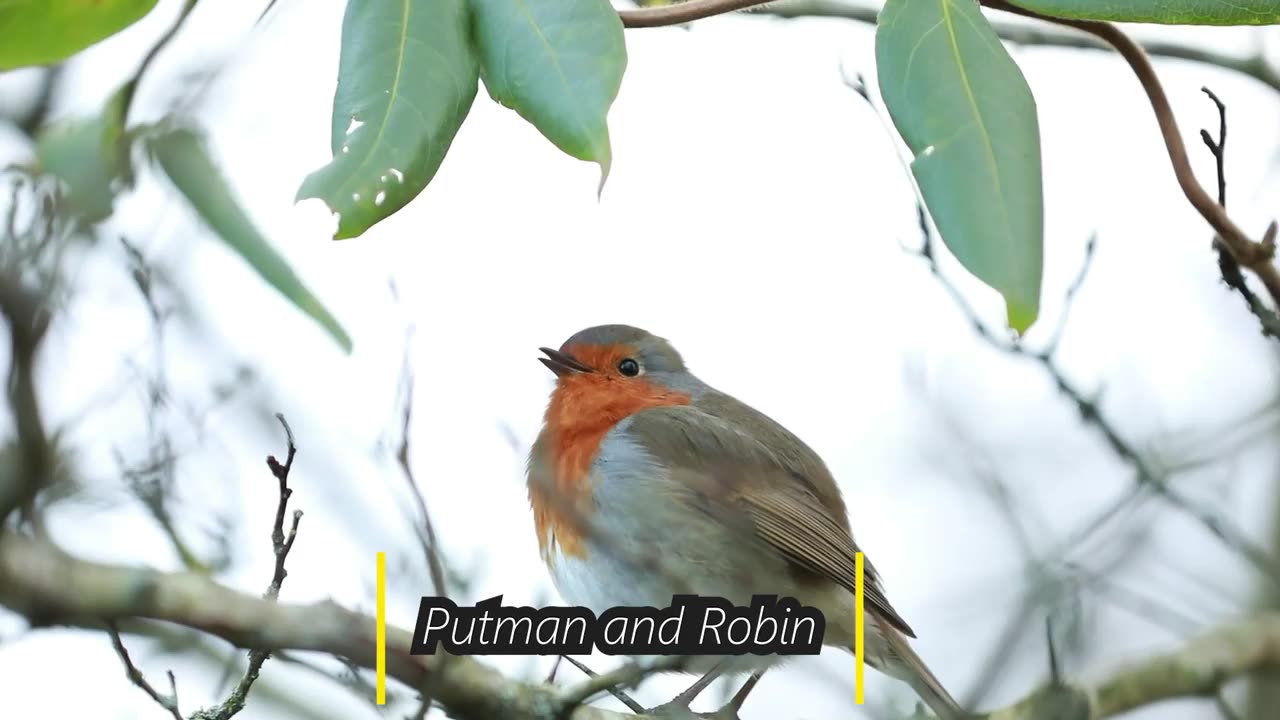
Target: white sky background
754, 216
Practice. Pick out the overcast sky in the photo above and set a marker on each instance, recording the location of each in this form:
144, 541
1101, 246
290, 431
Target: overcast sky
755, 216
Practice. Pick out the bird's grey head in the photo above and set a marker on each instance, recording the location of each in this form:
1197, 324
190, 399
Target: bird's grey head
610, 349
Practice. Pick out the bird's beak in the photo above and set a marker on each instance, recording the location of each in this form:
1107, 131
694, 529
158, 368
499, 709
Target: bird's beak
562, 364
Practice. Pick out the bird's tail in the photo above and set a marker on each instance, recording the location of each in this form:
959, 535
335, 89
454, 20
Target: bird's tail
903, 663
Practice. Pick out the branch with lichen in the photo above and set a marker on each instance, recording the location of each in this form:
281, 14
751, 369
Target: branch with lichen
50, 586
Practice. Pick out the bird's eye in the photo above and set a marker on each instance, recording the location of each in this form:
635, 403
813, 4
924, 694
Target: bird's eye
629, 367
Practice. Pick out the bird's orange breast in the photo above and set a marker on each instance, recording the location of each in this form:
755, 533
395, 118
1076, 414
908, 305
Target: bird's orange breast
583, 409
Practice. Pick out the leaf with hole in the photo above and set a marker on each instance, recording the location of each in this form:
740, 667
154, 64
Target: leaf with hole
406, 79
559, 64
41, 32
183, 157
965, 110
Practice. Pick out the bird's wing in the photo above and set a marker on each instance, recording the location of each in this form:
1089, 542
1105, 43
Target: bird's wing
742, 475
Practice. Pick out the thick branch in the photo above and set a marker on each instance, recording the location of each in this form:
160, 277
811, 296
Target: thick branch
47, 585
1201, 668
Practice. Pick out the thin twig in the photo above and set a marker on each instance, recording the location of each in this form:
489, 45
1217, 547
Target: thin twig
1051, 347
424, 529
1148, 477
271, 4
1090, 411
1227, 265
622, 697
168, 702
130, 89
280, 545
426, 532
626, 676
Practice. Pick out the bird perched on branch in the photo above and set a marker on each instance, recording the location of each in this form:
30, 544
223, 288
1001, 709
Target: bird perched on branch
646, 482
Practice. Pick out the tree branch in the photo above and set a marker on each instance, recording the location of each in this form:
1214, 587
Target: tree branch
41, 581
1257, 256
1255, 66
23, 308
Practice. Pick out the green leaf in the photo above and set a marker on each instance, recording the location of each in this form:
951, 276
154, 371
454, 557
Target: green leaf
1169, 12
406, 81
963, 107
182, 156
88, 154
39, 32
559, 64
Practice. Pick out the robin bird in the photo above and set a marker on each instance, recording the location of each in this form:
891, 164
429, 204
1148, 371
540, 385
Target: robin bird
646, 482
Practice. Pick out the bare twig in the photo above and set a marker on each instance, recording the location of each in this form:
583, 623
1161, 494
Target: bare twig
280, 545
1051, 347
621, 678
1268, 319
1148, 476
168, 702
622, 697
426, 531
130, 90
271, 4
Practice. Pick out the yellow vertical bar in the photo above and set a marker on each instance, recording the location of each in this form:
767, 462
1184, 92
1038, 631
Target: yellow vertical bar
382, 627
858, 628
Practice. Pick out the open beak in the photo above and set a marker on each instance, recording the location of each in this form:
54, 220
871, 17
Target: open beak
562, 364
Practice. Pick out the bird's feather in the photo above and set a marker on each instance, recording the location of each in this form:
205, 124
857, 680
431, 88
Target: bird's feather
791, 502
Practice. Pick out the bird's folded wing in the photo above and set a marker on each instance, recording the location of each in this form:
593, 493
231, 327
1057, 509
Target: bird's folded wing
737, 470
793, 522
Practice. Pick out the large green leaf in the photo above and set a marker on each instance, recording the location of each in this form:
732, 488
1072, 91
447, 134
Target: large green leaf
963, 107
406, 81
1172, 12
558, 63
183, 157
38, 32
